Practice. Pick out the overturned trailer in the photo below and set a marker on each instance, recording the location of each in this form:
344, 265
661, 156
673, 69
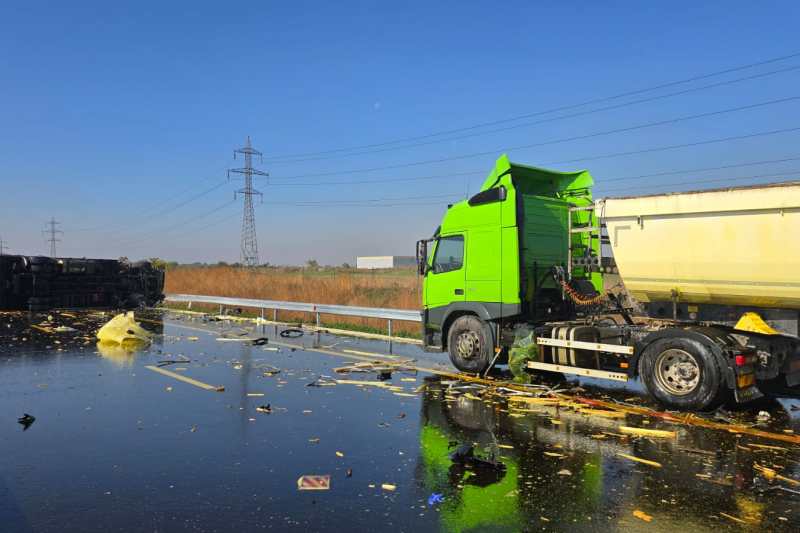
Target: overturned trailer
40, 283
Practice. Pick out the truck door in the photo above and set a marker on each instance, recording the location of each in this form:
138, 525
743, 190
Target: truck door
445, 278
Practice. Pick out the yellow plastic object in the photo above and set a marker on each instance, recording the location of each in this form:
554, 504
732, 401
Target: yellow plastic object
731, 246
753, 323
123, 330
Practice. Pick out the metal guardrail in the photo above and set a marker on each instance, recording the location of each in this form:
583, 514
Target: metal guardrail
317, 309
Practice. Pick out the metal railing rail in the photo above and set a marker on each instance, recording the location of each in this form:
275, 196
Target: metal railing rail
317, 309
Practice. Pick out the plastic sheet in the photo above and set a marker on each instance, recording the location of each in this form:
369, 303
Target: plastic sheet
124, 331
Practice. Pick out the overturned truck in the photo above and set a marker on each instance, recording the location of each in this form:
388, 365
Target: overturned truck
40, 283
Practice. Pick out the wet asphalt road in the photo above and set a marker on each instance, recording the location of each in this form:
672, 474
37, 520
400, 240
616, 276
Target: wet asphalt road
117, 447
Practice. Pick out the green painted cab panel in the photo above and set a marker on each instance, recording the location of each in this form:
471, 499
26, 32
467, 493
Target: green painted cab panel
510, 243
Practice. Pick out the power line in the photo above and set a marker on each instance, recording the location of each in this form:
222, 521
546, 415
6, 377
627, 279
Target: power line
367, 201
558, 141
249, 239
673, 146
552, 119
547, 111
705, 169
483, 172
698, 182
162, 231
149, 216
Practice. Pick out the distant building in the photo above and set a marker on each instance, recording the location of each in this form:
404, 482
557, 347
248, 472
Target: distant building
384, 261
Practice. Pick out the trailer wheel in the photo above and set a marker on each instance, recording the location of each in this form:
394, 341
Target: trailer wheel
682, 374
470, 344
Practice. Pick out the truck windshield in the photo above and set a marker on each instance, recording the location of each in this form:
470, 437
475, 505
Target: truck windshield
449, 254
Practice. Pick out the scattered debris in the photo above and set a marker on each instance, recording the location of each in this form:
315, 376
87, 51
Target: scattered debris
124, 330
763, 416
731, 517
190, 381
292, 333
339, 454
641, 515
554, 454
255, 394
26, 420
261, 341
389, 487
348, 472
564, 472
435, 498
658, 433
314, 482
264, 409
639, 460
771, 474
322, 381
165, 362
269, 370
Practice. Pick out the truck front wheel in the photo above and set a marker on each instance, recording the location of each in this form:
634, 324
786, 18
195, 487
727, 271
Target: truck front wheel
682, 374
470, 344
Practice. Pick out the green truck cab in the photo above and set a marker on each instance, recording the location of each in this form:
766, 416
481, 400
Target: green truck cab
491, 260
520, 264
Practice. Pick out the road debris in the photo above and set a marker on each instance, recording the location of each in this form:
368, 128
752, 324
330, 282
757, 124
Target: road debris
435, 498
166, 362
641, 515
388, 487
771, 474
314, 482
124, 330
269, 370
185, 379
657, 433
264, 409
292, 333
26, 420
639, 460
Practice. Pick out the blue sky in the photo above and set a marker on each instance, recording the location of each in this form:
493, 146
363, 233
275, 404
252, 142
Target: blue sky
116, 116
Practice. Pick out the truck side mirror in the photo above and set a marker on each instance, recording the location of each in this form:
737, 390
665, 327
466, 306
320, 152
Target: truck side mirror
422, 257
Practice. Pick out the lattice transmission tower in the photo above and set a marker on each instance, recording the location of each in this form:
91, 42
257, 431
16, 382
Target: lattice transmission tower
50, 232
249, 254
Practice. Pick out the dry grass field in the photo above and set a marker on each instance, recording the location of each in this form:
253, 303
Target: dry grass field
395, 288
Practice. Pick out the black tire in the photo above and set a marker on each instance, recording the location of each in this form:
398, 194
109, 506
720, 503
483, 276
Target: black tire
470, 344
688, 376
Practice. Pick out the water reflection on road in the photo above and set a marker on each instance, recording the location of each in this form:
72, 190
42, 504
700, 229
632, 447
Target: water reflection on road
563, 470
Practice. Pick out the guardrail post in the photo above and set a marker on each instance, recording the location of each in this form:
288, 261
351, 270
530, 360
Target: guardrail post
220, 309
317, 318
262, 314
390, 328
275, 315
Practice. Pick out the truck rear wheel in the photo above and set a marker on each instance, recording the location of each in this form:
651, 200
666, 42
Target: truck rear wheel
470, 344
683, 374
